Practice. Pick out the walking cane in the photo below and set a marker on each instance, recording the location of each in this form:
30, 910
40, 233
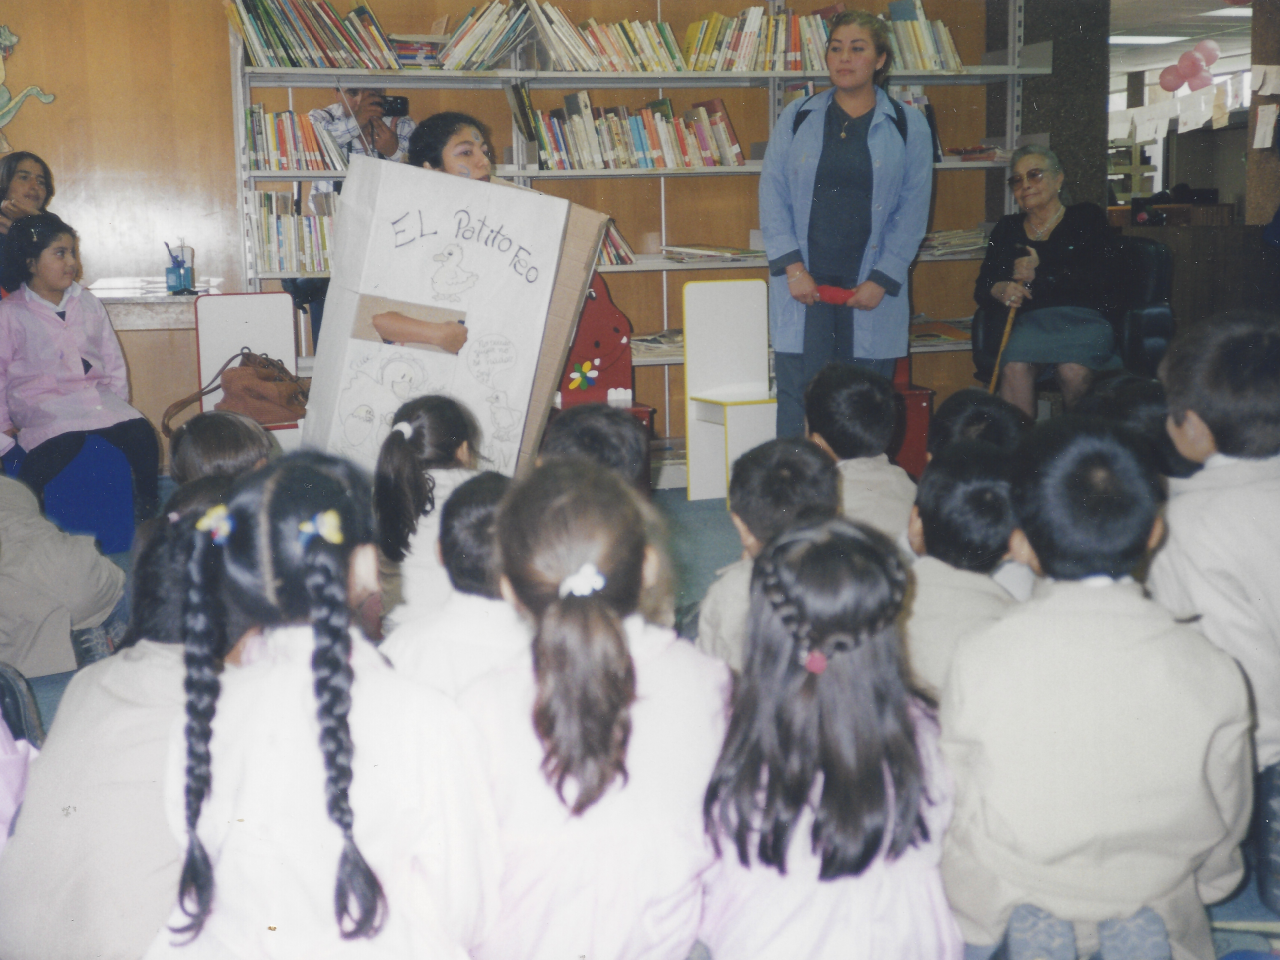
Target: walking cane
1004, 342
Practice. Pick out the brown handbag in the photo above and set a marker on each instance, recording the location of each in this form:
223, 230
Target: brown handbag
258, 387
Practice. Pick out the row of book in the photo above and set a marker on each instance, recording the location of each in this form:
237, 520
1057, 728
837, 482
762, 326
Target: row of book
756, 40
582, 137
628, 46
289, 141
417, 52
614, 249
286, 242
918, 43
309, 33
483, 40
943, 243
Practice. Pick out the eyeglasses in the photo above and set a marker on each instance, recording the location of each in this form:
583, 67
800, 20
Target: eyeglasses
1033, 176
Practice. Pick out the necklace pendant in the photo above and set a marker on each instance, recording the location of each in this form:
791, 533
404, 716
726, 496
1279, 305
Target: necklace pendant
842, 133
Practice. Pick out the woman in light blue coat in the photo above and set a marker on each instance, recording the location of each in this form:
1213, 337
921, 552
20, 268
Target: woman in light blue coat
844, 201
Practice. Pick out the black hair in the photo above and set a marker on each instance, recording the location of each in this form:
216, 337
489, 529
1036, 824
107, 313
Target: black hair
830, 593
964, 505
161, 550
468, 542
852, 408
1227, 369
217, 444
781, 483
403, 488
26, 240
429, 138
609, 435
272, 559
974, 414
1138, 404
1086, 493
9, 170
573, 539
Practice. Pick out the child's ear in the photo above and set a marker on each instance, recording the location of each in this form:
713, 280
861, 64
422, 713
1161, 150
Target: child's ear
915, 532
509, 592
750, 545
651, 569
1020, 549
1192, 437
464, 454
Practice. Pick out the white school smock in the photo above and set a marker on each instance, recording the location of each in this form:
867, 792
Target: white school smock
424, 583
876, 492
471, 636
624, 879
1102, 764
893, 910
92, 869
1220, 569
423, 817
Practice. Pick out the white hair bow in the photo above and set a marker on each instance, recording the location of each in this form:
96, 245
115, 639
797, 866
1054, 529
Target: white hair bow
586, 581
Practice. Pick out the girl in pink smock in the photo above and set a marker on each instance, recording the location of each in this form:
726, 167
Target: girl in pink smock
62, 375
328, 807
599, 745
829, 800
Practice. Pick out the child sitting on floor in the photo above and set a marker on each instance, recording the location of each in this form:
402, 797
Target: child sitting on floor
851, 413
1140, 405
830, 800
773, 488
959, 531
1220, 567
610, 436
474, 630
93, 866
1100, 748
429, 452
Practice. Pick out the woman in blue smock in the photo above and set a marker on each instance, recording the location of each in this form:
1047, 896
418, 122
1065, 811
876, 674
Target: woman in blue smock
844, 201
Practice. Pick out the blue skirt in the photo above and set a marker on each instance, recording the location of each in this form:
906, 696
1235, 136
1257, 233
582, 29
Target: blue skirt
1063, 335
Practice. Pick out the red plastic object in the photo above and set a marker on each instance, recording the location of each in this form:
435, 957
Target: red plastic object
837, 295
917, 406
600, 358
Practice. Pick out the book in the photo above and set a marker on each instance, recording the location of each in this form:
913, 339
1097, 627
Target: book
719, 116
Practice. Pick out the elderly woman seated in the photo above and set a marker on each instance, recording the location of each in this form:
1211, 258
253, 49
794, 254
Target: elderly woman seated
1047, 264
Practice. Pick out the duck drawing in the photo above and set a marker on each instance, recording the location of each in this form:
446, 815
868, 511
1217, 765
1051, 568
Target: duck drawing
450, 280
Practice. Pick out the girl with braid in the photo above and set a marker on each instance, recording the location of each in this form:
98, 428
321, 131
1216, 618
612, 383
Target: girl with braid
600, 742
829, 800
327, 808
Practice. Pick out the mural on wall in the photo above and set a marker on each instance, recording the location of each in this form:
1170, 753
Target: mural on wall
9, 104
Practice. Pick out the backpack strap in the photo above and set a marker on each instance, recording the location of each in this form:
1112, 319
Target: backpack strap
899, 117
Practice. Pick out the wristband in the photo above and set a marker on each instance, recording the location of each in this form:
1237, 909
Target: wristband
793, 279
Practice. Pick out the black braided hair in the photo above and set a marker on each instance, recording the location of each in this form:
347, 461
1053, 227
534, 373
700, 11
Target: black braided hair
404, 489
566, 515
824, 691
276, 563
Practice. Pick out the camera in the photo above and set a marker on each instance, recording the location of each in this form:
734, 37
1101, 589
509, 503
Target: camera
395, 106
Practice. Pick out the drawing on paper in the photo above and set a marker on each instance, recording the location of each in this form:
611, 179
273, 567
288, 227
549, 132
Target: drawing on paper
379, 380
451, 281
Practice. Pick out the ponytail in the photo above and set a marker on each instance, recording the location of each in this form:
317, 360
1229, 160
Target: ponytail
573, 543
403, 491
204, 643
359, 903
586, 685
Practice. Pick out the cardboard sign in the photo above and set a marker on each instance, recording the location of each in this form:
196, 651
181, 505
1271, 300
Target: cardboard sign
446, 285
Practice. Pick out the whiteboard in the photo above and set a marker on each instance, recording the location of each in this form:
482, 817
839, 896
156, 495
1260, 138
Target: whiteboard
263, 322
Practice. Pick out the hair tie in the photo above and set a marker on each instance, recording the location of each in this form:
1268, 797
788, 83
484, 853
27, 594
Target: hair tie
174, 516
586, 581
326, 525
216, 521
815, 661
405, 429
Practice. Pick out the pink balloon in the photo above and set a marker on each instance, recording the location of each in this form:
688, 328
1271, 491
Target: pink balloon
1171, 79
1189, 64
1210, 50
1200, 81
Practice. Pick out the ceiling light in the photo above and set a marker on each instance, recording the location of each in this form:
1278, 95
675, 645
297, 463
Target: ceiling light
1229, 12
1117, 41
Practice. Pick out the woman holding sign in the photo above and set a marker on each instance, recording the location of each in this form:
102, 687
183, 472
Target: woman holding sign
844, 200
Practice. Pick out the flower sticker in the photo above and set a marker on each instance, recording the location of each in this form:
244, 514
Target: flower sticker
326, 525
584, 375
216, 521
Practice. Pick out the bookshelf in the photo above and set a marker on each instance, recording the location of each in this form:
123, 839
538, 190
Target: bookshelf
683, 205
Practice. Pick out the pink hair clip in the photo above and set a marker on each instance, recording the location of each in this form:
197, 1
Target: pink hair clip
815, 662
